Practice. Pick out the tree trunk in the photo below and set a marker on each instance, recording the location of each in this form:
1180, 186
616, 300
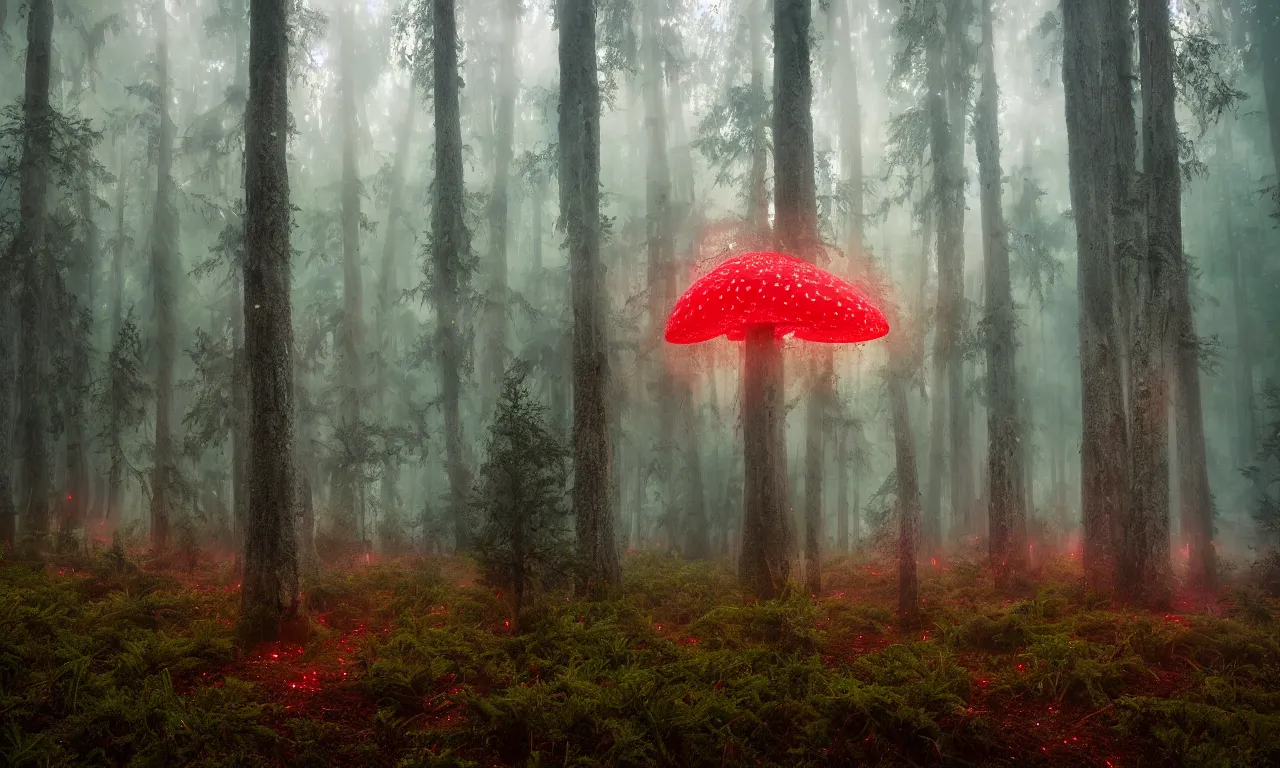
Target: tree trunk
346, 481
842, 494
28, 257
80, 284
579, 141
450, 247
660, 237
1142, 560
115, 438
1165, 247
951, 269
495, 360
1104, 440
387, 289
239, 372
757, 190
164, 269
1006, 513
764, 560
908, 492
797, 233
1120, 152
851, 143
1246, 442
270, 587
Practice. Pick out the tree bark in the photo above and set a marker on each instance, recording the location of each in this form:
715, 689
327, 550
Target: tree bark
164, 268
1246, 442
270, 587
579, 141
1104, 438
951, 232
450, 246
908, 491
504, 138
842, 493
1006, 513
387, 288
239, 370
346, 481
1165, 248
797, 233
765, 550
1142, 570
757, 189
115, 438
1121, 153
79, 321
660, 237
29, 244
851, 142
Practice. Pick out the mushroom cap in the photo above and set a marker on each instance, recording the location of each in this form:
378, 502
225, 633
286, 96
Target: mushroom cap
761, 288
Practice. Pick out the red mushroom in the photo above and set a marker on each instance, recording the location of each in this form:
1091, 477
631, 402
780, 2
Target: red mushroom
773, 289
761, 298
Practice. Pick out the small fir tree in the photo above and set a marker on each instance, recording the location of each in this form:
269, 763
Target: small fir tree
520, 497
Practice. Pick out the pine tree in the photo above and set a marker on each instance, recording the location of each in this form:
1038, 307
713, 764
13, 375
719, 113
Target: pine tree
520, 496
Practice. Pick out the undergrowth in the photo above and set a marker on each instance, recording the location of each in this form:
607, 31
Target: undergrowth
413, 664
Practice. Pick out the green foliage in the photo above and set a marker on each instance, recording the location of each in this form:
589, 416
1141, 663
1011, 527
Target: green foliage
520, 495
115, 665
727, 135
92, 665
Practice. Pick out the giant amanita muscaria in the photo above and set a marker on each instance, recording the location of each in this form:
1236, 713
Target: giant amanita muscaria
761, 298
773, 289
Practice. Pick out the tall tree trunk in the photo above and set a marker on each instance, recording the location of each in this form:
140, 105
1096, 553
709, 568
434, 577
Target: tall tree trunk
660, 268
951, 254
1006, 513
1104, 439
1246, 442
842, 493
347, 491
239, 370
851, 142
270, 587
29, 257
797, 232
79, 321
949, 193
387, 289
115, 438
1121, 153
757, 189
1164, 226
908, 490
495, 360
1142, 560
579, 141
164, 255
450, 245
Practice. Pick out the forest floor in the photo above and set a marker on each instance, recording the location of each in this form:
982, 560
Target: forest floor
106, 662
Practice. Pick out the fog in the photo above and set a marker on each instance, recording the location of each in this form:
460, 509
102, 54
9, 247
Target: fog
140, 377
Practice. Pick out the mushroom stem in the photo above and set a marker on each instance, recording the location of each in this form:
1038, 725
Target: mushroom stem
766, 529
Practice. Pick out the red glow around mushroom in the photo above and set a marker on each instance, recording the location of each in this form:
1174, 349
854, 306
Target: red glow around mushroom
761, 288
